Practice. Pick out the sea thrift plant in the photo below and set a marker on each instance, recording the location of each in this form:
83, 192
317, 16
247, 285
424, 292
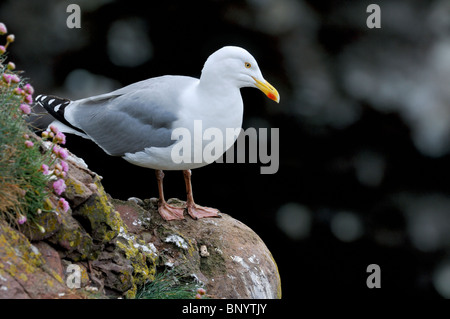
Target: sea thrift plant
3, 29
59, 186
25, 108
168, 284
22, 219
44, 169
11, 66
32, 169
29, 144
63, 205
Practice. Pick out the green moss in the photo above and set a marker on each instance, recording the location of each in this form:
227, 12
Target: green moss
213, 265
74, 187
143, 270
74, 239
104, 222
47, 219
131, 293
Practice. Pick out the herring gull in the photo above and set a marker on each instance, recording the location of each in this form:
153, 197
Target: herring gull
137, 122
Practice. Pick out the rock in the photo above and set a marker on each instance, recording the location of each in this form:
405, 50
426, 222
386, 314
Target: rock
124, 264
51, 257
75, 243
24, 273
231, 259
142, 256
204, 251
98, 216
76, 192
131, 215
116, 271
50, 220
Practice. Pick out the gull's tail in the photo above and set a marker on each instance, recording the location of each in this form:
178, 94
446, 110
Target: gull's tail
49, 110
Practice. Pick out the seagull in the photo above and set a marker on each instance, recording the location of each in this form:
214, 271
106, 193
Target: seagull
137, 121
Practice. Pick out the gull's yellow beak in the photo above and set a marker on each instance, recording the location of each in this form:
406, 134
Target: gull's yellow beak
268, 90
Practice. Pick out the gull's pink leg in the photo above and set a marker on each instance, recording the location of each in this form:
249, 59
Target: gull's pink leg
166, 211
194, 210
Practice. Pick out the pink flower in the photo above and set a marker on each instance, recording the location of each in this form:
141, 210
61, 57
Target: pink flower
6, 77
60, 138
3, 29
22, 219
28, 99
65, 166
18, 91
54, 129
60, 152
10, 38
2, 49
59, 186
29, 144
201, 291
63, 154
55, 150
63, 204
44, 169
25, 108
11, 66
15, 78
59, 171
28, 88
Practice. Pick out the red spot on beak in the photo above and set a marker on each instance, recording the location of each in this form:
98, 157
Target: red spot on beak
271, 96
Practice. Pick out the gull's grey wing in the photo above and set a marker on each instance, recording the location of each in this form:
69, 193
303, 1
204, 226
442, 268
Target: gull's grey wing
132, 118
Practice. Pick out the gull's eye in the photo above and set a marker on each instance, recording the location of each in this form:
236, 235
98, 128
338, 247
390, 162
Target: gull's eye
248, 65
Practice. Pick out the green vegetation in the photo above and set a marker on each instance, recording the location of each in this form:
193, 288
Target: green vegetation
170, 285
27, 167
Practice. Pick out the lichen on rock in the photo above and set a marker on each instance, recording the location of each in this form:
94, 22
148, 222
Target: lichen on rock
99, 216
75, 243
23, 271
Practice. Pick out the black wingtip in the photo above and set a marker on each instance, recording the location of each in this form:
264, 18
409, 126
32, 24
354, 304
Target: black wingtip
56, 106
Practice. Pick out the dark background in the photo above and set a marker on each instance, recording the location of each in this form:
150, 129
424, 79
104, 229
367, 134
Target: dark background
364, 124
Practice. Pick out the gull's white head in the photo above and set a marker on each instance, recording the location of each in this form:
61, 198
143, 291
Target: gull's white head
237, 66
